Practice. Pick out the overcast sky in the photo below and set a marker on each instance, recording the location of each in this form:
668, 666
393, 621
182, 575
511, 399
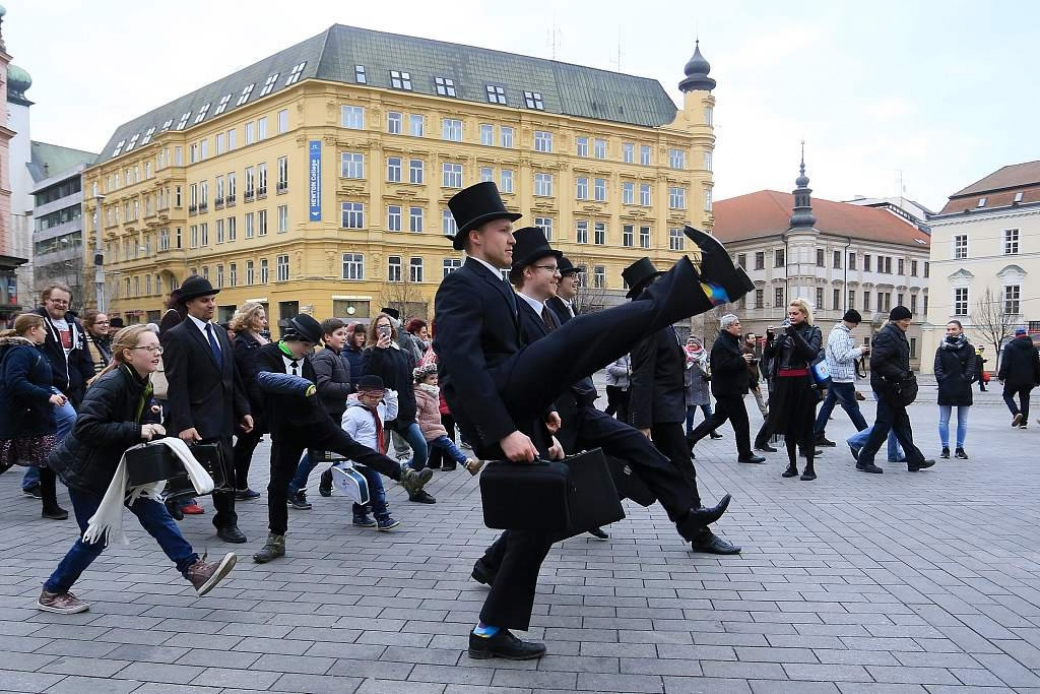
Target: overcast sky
934, 94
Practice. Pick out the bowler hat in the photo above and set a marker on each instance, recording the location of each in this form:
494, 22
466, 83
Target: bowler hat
304, 327
569, 268
194, 287
638, 275
392, 312
476, 205
531, 247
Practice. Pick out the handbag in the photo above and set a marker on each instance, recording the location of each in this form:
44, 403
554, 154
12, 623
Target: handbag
821, 373
903, 393
571, 496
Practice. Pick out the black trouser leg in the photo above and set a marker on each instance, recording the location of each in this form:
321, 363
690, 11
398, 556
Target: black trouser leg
671, 441
286, 452
732, 407
1023, 398
905, 434
509, 604
879, 434
48, 487
612, 399
718, 417
329, 437
622, 410
245, 445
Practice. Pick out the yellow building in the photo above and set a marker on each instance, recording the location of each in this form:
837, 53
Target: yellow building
317, 180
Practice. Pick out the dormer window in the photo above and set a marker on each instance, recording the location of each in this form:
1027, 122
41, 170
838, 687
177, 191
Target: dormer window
201, 114
222, 106
244, 96
133, 142
294, 75
184, 120
1018, 196
534, 100
269, 84
360, 76
119, 148
982, 202
166, 126
401, 80
445, 86
496, 95
148, 135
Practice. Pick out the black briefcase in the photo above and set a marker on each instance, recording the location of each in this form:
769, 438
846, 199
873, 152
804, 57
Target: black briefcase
211, 457
151, 462
629, 485
571, 496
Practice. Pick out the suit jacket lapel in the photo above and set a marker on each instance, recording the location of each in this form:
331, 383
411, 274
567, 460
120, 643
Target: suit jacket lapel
500, 286
197, 335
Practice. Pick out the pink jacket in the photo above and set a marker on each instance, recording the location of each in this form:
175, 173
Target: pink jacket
428, 411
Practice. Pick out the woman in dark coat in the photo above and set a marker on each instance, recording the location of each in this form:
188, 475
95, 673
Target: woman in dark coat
955, 371
248, 324
794, 394
28, 429
113, 417
383, 357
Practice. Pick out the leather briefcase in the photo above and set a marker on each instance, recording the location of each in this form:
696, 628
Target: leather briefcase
210, 455
151, 462
571, 496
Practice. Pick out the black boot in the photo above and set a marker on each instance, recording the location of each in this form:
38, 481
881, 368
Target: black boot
791, 471
678, 294
717, 266
809, 474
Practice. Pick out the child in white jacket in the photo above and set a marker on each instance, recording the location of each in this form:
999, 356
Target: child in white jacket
364, 419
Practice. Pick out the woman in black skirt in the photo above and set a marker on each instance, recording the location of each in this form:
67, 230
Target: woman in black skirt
794, 394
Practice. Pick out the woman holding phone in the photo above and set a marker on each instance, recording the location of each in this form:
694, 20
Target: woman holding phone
383, 357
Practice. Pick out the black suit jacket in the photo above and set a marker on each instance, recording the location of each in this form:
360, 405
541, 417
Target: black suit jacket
477, 331
202, 395
729, 371
289, 412
560, 309
657, 390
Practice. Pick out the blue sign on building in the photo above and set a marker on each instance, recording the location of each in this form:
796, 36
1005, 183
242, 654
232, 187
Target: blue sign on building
314, 191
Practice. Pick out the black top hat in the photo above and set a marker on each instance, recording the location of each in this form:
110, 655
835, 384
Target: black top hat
476, 205
304, 327
116, 323
194, 287
569, 268
370, 382
531, 247
392, 312
638, 275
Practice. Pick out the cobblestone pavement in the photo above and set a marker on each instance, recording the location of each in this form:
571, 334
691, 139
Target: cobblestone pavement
900, 582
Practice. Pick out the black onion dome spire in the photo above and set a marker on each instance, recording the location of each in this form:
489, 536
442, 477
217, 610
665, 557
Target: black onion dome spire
697, 70
803, 216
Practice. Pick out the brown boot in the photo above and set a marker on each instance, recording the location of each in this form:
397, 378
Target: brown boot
206, 575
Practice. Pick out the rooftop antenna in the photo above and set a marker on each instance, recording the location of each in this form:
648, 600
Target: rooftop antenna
554, 37
619, 48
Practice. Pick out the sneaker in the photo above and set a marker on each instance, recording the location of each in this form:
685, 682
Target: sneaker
1017, 420
825, 442
945, 452
246, 494
299, 501
55, 512
61, 603
192, 509
413, 481
473, 465
363, 520
387, 523
33, 491
959, 453
1023, 425
422, 497
204, 575
325, 486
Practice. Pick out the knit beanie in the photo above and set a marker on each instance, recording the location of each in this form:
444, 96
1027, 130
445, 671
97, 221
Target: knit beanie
900, 313
852, 316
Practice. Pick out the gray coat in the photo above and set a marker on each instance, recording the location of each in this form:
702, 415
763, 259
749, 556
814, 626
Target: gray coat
333, 373
696, 386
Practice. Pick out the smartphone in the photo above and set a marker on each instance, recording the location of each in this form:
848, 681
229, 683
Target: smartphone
384, 330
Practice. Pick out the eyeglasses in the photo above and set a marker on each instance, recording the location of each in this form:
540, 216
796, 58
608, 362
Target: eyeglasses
58, 302
102, 322
551, 268
154, 349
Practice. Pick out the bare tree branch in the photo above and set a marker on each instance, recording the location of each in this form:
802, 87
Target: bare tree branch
406, 298
990, 318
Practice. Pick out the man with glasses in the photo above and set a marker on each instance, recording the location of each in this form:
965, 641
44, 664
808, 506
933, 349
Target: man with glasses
71, 364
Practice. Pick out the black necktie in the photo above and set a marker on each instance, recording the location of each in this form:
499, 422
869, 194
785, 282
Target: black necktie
292, 365
547, 319
213, 345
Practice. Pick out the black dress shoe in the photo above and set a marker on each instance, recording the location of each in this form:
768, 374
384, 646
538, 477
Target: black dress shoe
503, 645
824, 442
710, 543
716, 265
707, 515
422, 497
750, 458
869, 467
231, 533
175, 510
599, 534
715, 436
925, 464
325, 486
765, 447
483, 572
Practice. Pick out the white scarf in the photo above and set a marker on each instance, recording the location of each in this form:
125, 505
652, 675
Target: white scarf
107, 523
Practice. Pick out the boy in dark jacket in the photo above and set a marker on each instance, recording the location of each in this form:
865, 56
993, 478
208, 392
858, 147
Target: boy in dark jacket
1020, 373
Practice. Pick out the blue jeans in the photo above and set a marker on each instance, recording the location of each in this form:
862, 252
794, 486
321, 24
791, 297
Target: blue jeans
944, 424
413, 435
691, 414
303, 471
65, 419
859, 440
448, 447
845, 393
153, 517
376, 494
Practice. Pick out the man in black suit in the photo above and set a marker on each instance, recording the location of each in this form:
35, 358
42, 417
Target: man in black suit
562, 303
207, 398
657, 404
500, 389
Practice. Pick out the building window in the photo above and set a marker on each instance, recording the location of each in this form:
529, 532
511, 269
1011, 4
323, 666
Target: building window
866, 262
400, 80
581, 146
760, 298
393, 268
250, 225
261, 223
599, 190
352, 117
282, 268
913, 303
264, 275
415, 171
707, 199
487, 174
760, 260
778, 297
543, 184
676, 198
448, 224
261, 179
249, 272
444, 86
677, 159
852, 261
581, 233
742, 260
628, 193
506, 181
487, 134
232, 229
394, 122
644, 194
451, 129
901, 267
819, 260
220, 231
599, 233
1018, 196
707, 161
888, 264
353, 266
450, 266
203, 232
415, 220
546, 225
899, 299
866, 302
852, 299
393, 169
981, 203
416, 125
451, 175
628, 236
1013, 299
884, 301
709, 115
505, 136
283, 174
599, 149
581, 188
283, 121
926, 269
543, 141
1011, 242
360, 76
393, 218
351, 165
496, 94
644, 155
819, 298
628, 152
534, 100
676, 240
836, 300
779, 258
960, 301
353, 215
960, 247
644, 237
837, 260
415, 270
599, 277
232, 275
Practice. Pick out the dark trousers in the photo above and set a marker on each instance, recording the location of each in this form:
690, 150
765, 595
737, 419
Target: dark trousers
727, 408
437, 459
245, 444
670, 440
1023, 400
288, 446
617, 403
224, 502
895, 419
518, 554
845, 393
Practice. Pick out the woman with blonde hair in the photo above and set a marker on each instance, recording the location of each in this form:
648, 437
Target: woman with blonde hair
28, 427
794, 393
248, 324
114, 416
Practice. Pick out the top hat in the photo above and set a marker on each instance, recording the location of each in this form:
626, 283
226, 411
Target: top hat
305, 327
531, 247
392, 312
638, 275
194, 287
476, 205
569, 268
116, 323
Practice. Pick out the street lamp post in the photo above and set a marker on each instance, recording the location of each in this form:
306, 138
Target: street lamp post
99, 256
